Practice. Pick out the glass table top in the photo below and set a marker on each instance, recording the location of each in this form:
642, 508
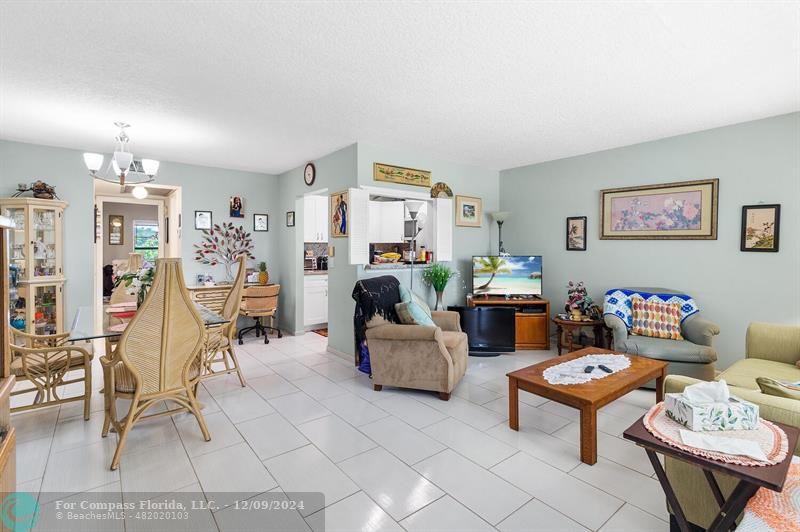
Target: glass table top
83, 326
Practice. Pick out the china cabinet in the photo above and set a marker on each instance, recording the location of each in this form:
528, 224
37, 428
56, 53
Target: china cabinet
35, 250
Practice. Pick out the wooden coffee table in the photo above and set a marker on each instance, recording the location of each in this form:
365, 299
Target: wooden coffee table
588, 397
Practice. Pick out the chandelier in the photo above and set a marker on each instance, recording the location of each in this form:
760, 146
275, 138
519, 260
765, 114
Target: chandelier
123, 169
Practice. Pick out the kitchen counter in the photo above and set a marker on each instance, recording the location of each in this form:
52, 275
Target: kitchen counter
315, 272
394, 266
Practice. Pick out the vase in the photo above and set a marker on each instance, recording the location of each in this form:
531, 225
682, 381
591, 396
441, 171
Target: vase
228, 272
140, 298
263, 278
439, 294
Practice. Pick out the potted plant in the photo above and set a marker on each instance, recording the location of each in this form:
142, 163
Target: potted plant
138, 283
263, 276
438, 275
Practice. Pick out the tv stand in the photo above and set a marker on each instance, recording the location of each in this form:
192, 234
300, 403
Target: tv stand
532, 318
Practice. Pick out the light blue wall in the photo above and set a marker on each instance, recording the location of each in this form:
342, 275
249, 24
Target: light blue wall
756, 162
335, 172
203, 188
464, 180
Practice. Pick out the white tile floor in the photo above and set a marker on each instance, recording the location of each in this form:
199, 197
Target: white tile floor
389, 460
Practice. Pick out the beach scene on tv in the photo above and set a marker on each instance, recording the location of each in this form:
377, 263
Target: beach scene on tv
507, 275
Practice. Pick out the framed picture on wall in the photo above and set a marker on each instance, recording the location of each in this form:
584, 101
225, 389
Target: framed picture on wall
260, 222
760, 227
468, 211
576, 233
236, 207
290, 219
339, 213
202, 219
116, 230
670, 211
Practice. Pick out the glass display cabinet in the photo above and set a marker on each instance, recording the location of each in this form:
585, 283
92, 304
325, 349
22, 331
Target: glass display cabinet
35, 262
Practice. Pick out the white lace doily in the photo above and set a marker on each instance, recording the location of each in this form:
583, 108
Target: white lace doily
572, 372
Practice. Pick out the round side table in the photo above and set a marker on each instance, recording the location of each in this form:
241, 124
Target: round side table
568, 329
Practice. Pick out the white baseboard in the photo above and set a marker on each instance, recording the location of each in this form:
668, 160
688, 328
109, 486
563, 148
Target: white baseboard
340, 354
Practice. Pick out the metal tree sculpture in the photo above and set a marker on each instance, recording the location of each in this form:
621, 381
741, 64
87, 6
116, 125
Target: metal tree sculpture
224, 244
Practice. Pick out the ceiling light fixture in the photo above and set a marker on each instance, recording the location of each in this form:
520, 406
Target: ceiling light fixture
123, 168
139, 192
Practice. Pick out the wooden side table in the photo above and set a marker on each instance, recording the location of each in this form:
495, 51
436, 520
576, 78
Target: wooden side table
750, 477
569, 328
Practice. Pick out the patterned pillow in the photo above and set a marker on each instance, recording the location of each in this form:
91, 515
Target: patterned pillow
659, 320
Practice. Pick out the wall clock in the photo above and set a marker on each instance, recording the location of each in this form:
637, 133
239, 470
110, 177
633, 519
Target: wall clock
310, 174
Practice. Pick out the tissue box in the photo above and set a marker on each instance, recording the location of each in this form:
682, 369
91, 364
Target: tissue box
736, 414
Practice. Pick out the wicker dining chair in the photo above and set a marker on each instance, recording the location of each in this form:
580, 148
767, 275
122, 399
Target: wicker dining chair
48, 363
157, 358
219, 343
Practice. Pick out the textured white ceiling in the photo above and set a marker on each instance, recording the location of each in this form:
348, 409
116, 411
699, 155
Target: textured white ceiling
266, 86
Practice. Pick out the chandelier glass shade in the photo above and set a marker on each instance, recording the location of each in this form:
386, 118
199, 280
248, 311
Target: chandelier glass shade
123, 169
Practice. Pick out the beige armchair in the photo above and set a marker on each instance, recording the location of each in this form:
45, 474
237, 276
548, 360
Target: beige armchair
771, 351
418, 356
157, 358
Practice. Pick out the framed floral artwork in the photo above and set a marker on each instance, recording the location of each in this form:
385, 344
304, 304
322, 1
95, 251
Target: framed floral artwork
576, 233
760, 228
468, 211
672, 211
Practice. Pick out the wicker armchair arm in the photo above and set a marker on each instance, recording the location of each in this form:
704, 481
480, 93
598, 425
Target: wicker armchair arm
42, 339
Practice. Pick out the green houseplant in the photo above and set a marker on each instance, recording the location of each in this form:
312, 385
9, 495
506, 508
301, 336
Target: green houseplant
438, 275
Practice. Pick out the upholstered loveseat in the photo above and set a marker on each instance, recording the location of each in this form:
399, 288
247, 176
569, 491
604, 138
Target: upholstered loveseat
693, 356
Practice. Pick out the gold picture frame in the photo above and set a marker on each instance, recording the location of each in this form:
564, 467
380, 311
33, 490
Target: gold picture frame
469, 211
339, 211
401, 175
685, 210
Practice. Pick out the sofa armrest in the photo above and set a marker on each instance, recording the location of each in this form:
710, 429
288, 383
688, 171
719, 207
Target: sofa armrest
393, 331
619, 329
699, 331
676, 383
447, 320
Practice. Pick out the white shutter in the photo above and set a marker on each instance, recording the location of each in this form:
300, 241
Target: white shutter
443, 229
358, 226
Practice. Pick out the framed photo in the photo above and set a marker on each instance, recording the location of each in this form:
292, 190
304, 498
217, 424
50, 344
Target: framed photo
202, 219
339, 213
290, 219
260, 222
400, 175
468, 211
236, 207
760, 227
671, 211
116, 230
576, 233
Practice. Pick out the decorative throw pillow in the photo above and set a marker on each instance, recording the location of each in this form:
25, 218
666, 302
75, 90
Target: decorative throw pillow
778, 388
407, 296
411, 313
658, 320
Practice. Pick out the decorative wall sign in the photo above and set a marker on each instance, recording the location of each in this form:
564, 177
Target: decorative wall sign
261, 222
202, 219
576, 233
339, 213
760, 227
671, 211
236, 207
469, 211
116, 230
441, 190
290, 219
401, 175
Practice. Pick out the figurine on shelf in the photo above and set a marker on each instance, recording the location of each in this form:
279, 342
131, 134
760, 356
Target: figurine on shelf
578, 301
39, 188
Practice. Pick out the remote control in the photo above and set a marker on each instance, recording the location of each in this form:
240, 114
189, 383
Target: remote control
588, 369
605, 368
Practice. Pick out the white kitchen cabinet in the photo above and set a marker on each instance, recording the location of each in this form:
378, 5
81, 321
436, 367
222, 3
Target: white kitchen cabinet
386, 221
315, 220
315, 303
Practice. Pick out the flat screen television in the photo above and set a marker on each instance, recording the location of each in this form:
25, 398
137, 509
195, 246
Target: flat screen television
507, 275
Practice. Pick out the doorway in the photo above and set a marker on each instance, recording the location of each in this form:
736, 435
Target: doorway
125, 225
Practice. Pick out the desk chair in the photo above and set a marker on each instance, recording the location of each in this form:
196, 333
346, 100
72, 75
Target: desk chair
260, 302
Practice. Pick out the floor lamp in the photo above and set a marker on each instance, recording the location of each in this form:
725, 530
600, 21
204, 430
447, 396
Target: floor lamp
413, 208
500, 217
